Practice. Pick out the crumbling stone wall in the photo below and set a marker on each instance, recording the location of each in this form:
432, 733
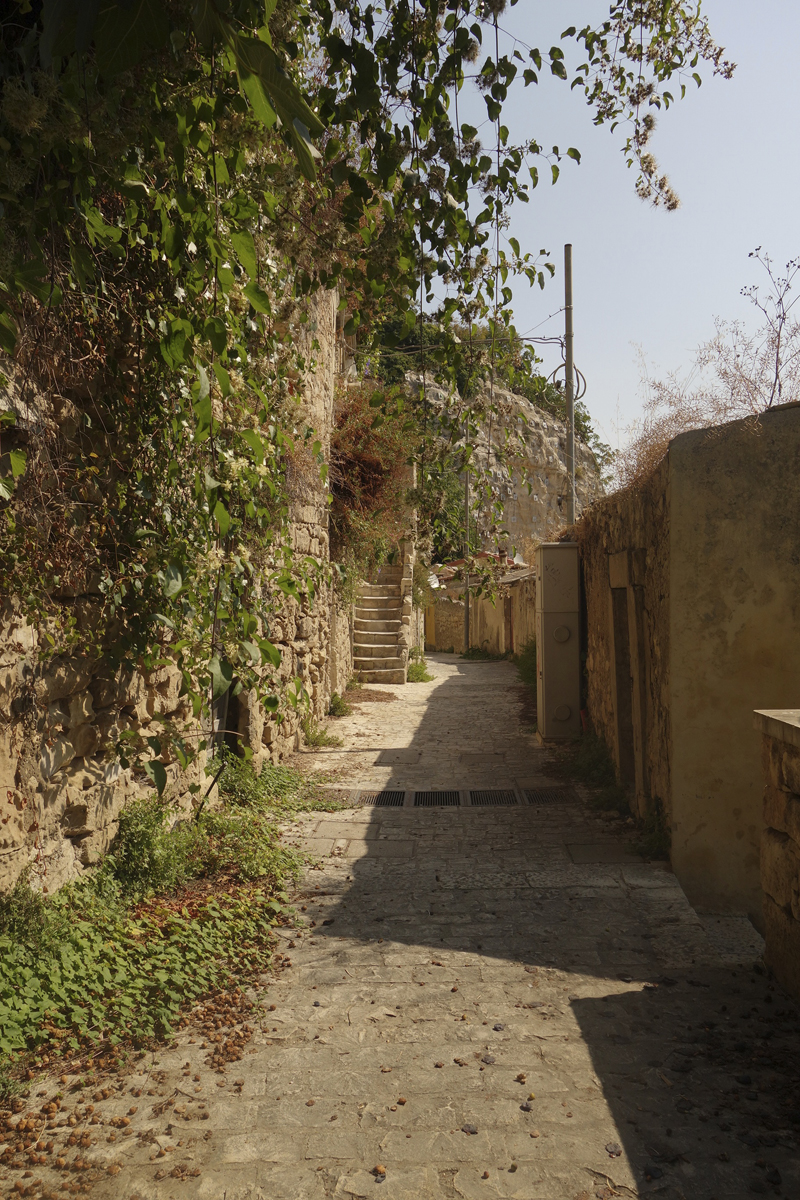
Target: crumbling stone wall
61, 792
633, 523
780, 844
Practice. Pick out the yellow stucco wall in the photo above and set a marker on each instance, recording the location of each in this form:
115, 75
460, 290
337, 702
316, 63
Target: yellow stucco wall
734, 642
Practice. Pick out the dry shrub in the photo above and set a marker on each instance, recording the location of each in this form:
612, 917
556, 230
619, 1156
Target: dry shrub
368, 479
735, 375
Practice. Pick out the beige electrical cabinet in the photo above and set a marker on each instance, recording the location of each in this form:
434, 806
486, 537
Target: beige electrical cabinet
558, 662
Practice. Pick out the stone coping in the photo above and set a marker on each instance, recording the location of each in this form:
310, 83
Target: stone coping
780, 723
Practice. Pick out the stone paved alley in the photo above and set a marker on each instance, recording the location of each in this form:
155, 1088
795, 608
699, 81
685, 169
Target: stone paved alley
482, 1002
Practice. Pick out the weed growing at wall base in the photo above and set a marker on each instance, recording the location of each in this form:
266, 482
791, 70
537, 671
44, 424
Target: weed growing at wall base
317, 735
418, 672
173, 914
481, 654
525, 662
338, 707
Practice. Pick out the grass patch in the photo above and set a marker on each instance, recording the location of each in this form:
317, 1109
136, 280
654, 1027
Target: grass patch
481, 654
418, 672
655, 840
176, 912
589, 761
317, 735
354, 684
338, 707
525, 662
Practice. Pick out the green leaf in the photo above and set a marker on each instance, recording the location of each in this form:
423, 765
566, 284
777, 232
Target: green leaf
245, 248
270, 653
223, 379
221, 676
258, 298
217, 333
28, 278
256, 58
18, 460
173, 579
156, 772
255, 92
255, 443
8, 334
173, 241
222, 517
126, 33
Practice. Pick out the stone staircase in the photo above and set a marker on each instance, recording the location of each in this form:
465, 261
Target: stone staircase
379, 654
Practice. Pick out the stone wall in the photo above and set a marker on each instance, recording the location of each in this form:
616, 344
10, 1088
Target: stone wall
504, 626
60, 792
693, 617
780, 843
624, 548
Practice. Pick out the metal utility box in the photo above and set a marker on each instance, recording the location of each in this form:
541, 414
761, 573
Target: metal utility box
558, 661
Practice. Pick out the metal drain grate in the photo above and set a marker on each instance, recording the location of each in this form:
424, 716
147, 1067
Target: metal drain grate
489, 797
551, 795
383, 799
434, 799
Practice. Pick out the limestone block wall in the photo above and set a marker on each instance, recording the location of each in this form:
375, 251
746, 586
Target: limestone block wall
780, 842
61, 791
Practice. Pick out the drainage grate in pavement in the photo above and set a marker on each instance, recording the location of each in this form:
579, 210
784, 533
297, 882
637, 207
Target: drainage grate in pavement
489, 797
434, 799
383, 799
551, 795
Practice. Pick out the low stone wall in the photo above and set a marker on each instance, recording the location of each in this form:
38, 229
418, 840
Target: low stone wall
780, 843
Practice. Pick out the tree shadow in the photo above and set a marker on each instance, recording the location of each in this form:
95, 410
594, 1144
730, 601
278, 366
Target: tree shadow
541, 912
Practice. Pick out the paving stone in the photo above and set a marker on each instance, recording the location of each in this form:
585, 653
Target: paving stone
570, 957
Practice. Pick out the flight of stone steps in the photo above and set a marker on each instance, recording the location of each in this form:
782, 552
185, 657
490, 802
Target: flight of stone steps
378, 655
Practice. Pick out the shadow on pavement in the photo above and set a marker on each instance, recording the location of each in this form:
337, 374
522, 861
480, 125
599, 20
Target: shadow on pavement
602, 961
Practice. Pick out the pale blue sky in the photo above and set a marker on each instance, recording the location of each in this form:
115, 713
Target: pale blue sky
644, 277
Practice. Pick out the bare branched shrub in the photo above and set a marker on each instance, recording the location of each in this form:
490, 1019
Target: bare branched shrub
735, 375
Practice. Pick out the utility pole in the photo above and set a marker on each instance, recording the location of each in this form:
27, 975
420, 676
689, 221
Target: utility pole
570, 383
466, 537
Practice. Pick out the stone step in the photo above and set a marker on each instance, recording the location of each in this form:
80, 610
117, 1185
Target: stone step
370, 617
379, 602
379, 589
375, 637
374, 650
391, 662
392, 627
393, 675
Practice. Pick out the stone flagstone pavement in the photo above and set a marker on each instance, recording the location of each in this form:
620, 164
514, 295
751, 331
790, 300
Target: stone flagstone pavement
482, 1002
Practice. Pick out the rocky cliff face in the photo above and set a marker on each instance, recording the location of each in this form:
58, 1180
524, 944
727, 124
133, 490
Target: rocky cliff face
535, 489
523, 449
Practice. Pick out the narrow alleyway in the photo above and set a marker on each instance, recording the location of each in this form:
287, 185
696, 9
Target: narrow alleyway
484, 1000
